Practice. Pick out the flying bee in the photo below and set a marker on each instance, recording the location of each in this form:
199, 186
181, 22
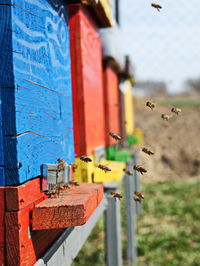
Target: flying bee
147, 151
157, 6
62, 164
175, 110
114, 136
85, 159
116, 195
169, 137
165, 117
139, 195
150, 105
104, 168
137, 199
127, 171
73, 183
140, 169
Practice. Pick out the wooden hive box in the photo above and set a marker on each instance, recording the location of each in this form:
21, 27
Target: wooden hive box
111, 102
87, 86
35, 75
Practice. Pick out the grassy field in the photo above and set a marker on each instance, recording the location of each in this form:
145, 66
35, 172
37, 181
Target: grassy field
168, 230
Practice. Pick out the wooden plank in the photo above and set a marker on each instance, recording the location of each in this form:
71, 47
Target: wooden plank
36, 91
130, 217
66, 248
73, 207
111, 103
113, 232
87, 74
2, 227
21, 196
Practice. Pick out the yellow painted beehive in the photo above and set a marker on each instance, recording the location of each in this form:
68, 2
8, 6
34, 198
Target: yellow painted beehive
115, 175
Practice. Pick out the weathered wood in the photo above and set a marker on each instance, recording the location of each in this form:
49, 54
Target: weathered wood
36, 97
86, 64
72, 207
66, 248
111, 103
21, 196
130, 217
113, 232
2, 227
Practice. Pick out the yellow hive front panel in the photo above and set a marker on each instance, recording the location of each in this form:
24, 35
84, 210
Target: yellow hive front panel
129, 110
84, 171
107, 9
115, 175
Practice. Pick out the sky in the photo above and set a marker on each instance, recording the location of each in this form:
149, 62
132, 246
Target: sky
163, 45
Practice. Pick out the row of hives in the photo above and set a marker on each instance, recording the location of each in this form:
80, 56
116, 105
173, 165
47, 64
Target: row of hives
60, 95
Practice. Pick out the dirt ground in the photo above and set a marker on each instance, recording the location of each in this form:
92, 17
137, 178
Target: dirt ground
176, 143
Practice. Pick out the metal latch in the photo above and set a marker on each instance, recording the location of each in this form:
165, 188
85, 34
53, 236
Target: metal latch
52, 175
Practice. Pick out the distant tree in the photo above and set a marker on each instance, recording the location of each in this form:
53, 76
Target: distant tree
193, 84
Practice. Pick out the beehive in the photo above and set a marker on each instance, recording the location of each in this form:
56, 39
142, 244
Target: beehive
87, 81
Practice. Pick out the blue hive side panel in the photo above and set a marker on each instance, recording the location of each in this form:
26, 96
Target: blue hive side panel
8, 159
42, 80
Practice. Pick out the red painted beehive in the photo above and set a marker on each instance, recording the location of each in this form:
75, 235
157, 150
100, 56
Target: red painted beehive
87, 81
111, 103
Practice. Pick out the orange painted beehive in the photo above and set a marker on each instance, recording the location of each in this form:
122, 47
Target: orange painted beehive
111, 103
87, 81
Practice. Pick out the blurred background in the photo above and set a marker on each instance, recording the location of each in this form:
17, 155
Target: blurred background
164, 48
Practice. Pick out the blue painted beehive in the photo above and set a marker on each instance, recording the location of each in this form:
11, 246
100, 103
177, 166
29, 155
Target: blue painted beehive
36, 123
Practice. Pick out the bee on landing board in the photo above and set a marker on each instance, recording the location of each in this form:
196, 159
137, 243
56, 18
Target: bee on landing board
145, 150
53, 193
104, 168
165, 117
150, 105
139, 194
175, 110
114, 136
140, 169
157, 6
61, 164
116, 195
73, 183
128, 172
85, 159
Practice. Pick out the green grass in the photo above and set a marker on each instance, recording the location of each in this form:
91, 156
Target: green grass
181, 102
168, 230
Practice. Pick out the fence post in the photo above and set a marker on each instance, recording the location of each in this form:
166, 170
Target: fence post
113, 231
137, 183
130, 210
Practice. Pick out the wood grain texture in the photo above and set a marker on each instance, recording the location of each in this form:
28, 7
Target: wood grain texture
21, 196
2, 227
86, 57
36, 92
24, 247
111, 103
73, 207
